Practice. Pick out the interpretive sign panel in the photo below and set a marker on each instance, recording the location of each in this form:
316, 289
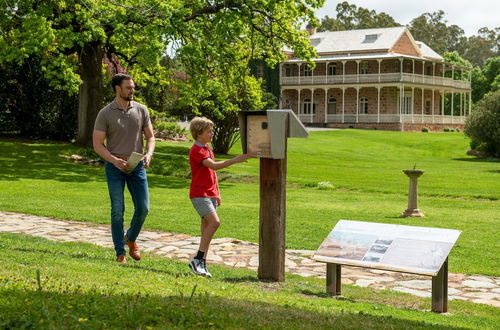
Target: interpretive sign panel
409, 249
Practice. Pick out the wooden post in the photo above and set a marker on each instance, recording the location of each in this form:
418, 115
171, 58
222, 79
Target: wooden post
440, 290
333, 279
272, 219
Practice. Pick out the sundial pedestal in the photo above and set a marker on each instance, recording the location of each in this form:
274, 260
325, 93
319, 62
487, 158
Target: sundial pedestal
412, 210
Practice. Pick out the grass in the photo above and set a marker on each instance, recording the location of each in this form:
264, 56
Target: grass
47, 285
362, 167
372, 161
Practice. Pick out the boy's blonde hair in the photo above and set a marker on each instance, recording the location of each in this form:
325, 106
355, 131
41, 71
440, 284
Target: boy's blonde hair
199, 125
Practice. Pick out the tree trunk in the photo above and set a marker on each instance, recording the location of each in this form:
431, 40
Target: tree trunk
91, 94
225, 132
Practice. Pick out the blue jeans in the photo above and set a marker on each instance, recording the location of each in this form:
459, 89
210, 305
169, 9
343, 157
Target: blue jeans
137, 184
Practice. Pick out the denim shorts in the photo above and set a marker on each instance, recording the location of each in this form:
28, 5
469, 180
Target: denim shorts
204, 205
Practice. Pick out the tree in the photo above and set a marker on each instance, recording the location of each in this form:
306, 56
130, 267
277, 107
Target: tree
351, 17
483, 125
71, 37
432, 29
220, 99
491, 69
30, 107
486, 79
330, 24
479, 84
482, 46
456, 59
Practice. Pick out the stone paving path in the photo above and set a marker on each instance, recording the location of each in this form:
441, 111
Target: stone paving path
236, 253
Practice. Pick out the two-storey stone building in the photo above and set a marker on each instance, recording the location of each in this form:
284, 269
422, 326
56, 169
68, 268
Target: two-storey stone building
375, 78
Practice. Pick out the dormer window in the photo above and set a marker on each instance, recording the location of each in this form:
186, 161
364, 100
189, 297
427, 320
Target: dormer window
371, 38
315, 41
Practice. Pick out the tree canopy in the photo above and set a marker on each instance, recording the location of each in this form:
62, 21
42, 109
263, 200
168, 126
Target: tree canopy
350, 17
431, 28
71, 37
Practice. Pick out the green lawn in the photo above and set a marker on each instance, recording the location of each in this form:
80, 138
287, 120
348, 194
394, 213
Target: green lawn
364, 168
52, 285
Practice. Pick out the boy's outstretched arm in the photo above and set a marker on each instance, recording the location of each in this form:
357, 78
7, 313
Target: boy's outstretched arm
210, 163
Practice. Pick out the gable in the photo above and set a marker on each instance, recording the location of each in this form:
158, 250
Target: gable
406, 45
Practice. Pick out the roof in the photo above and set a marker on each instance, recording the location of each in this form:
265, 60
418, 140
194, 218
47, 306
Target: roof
350, 57
427, 52
356, 40
353, 43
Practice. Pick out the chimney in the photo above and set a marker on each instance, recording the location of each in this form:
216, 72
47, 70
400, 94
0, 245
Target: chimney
310, 29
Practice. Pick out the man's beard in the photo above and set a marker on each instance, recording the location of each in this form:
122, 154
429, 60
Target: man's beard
129, 98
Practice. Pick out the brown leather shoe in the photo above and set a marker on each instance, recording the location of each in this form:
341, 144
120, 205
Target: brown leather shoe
121, 259
133, 249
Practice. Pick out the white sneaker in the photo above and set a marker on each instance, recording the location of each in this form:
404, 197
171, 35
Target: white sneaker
206, 269
198, 267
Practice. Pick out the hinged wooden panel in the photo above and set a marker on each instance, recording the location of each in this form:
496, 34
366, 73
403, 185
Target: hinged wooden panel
258, 136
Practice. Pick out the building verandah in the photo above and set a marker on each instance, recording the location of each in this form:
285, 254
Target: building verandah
378, 90
355, 105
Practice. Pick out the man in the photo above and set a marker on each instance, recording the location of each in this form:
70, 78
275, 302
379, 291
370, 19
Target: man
122, 124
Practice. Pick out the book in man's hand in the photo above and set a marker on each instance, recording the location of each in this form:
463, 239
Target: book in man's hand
133, 160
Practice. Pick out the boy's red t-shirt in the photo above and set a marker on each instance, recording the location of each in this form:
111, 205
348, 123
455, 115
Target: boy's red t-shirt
203, 179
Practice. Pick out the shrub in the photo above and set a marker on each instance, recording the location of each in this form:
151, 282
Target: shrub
169, 130
446, 129
483, 125
425, 129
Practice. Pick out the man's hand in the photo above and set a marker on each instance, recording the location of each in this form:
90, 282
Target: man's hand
120, 164
219, 201
147, 159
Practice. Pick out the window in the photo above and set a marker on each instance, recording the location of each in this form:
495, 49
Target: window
409, 66
260, 70
363, 68
288, 71
397, 66
332, 69
429, 70
427, 107
308, 108
407, 101
307, 71
332, 106
369, 38
363, 105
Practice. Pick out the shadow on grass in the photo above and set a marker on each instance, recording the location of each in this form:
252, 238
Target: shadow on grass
478, 160
22, 160
53, 300
244, 279
109, 307
45, 161
322, 294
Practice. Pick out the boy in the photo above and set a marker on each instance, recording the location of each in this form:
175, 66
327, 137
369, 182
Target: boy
204, 190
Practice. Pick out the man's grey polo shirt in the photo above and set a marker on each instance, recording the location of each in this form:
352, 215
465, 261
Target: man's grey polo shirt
123, 127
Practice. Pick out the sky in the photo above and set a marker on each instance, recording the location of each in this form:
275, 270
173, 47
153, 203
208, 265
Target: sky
469, 15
